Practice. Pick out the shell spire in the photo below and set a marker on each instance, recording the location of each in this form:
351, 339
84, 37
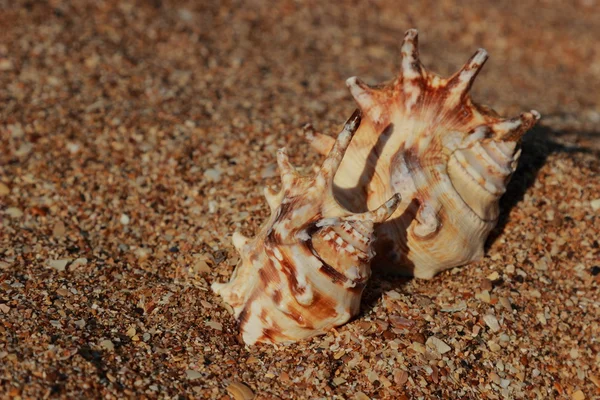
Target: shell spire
305, 270
451, 159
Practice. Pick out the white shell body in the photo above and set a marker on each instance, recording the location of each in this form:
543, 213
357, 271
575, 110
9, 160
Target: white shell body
450, 159
305, 271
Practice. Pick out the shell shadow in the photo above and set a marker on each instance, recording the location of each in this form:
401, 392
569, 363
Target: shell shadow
355, 199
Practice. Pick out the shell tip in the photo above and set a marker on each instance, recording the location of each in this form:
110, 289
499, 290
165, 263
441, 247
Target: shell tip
353, 122
411, 33
480, 57
239, 240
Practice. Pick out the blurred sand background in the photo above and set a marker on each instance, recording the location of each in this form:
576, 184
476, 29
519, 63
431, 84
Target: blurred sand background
135, 138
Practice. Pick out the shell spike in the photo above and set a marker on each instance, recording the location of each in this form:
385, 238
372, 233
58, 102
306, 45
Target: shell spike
239, 241
462, 81
286, 169
365, 96
334, 158
411, 66
272, 197
514, 128
318, 141
380, 214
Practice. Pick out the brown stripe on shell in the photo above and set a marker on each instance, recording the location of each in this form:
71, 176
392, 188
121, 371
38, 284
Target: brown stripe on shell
289, 270
268, 273
277, 297
272, 334
245, 314
323, 307
297, 316
335, 276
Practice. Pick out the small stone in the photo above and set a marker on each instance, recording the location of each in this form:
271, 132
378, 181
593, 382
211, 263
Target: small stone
541, 264
107, 345
124, 219
142, 253
339, 354
240, 391
4, 308
393, 295
361, 396
73, 147
185, 15
131, 331
372, 376
13, 212
595, 204
418, 347
484, 296
6, 64
214, 325
535, 293
540, 317
493, 276
510, 269
16, 130
80, 323
59, 230
401, 322
438, 345
79, 262
191, 374
504, 383
213, 175
574, 353
59, 265
201, 266
493, 346
505, 302
495, 378
4, 190
284, 377
578, 395
456, 308
492, 322
400, 377
485, 284
337, 381
24, 149
500, 366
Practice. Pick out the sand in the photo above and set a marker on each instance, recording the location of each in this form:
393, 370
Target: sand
136, 137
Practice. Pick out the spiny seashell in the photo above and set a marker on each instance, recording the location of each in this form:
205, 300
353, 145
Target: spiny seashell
305, 271
449, 158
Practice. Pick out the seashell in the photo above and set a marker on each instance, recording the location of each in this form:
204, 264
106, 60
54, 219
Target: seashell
423, 137
305, 270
